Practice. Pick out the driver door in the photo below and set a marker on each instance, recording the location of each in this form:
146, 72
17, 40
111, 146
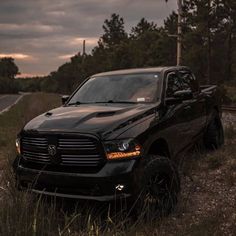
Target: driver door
177, 115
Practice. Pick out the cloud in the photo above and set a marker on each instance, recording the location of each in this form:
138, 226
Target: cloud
66, 57
25, 75
18, 56
50, 31
89, 41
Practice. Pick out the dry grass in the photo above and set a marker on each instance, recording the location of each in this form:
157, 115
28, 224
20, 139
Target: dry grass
231, 92
206, 204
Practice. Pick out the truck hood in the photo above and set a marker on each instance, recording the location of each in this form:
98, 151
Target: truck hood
100, 120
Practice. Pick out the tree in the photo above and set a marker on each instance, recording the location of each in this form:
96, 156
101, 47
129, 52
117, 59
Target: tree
202, 23
8, 85
143, 38
155, 47
142, 28
114, 32
226, 14
210, 40
8, 68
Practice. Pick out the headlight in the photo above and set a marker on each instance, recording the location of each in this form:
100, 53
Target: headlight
120, 149
18, 146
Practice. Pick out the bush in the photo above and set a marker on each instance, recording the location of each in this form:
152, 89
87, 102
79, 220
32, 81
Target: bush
49, 85
8, 85
29, 84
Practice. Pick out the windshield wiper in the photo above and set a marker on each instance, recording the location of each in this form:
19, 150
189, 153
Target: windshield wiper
109, 101
75, 103
112, 101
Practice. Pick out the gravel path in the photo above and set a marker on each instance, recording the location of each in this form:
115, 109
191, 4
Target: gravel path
229, 119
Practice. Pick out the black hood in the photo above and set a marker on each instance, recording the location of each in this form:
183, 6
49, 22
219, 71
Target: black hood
100, 120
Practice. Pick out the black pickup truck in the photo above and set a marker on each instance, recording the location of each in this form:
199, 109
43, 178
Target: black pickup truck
120, 135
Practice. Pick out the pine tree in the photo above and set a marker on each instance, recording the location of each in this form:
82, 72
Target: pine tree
114, 32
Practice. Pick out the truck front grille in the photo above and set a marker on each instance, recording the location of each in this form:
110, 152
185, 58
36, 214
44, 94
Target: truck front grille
80, 151
35, 149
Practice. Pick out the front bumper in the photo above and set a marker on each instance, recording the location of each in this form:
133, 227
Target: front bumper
99, 186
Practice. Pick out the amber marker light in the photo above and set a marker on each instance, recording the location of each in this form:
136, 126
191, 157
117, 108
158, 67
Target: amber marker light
120, 155
122, 149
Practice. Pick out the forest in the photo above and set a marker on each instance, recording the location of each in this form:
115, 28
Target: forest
209, 48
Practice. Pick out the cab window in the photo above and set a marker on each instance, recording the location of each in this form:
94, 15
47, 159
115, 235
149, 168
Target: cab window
189, 81
173, 84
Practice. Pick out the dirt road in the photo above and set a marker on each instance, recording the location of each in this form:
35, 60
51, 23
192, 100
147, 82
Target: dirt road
6, 101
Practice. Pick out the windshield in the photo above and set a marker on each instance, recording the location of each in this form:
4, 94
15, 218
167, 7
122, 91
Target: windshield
133, 88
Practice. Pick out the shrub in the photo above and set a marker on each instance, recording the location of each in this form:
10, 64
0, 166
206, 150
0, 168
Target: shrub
8, 85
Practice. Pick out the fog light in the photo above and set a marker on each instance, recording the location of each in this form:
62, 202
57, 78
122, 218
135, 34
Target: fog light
120, 187
18, 149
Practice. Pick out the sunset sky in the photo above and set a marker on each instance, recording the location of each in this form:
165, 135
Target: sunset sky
43, 34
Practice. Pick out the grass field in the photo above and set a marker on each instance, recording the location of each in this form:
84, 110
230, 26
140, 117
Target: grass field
11, 122
206, 203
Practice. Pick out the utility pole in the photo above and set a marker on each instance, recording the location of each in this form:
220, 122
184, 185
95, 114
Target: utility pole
84, 47
179, 33
179, 36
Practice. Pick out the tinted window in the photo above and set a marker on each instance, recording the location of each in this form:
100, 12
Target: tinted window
189, 81
173, 84
126, 88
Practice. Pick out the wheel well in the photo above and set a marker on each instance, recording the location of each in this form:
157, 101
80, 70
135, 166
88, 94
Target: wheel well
217, 117
159, 147
216, 108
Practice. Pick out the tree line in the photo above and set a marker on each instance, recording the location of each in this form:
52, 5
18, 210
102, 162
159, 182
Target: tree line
209, 47
209, 30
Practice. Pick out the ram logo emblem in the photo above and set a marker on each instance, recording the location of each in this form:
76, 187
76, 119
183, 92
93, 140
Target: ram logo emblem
52, 150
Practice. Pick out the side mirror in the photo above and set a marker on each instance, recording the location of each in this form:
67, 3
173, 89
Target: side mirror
173, 101
183, 95
64, 99
179, 97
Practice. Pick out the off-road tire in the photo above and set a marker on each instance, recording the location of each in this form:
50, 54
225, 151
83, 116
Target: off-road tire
159, 188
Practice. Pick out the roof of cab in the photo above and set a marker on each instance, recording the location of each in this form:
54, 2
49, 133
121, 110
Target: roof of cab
139, 70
